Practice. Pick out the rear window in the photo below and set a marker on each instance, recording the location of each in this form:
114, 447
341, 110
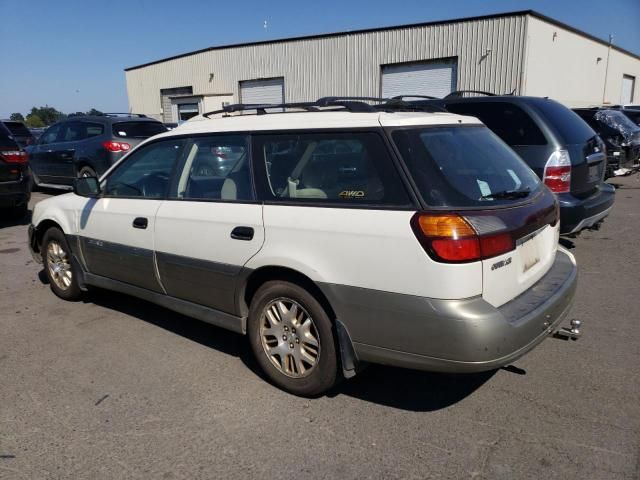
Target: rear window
18, 128
569, 126
6, 141
512, 124
464, 167
138, 129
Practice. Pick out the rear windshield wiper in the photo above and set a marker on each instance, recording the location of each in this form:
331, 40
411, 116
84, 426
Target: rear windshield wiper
508, 194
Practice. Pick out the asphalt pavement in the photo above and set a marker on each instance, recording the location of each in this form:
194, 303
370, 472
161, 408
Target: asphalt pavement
114, 387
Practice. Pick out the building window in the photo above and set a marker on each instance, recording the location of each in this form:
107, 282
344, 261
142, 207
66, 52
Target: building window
187, 111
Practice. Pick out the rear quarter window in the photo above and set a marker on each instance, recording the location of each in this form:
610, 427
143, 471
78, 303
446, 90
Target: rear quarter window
510, 122
138, 129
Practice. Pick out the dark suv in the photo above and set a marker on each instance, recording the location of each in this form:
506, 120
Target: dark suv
86, 146
620, 134
15, 181
561, 148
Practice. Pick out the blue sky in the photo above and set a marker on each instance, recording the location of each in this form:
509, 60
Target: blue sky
71, 54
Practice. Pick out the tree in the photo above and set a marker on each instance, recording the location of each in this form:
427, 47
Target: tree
47, 114
93, 111
17, 117
34, 121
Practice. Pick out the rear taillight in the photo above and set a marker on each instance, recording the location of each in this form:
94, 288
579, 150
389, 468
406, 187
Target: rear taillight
112, 146
14, 156
557, 172
452, 238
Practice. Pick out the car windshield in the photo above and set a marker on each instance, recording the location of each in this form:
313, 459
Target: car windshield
138, 129
464, 167
6, 140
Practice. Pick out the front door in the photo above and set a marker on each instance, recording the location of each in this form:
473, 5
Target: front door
210, 226
41, 155
117, 230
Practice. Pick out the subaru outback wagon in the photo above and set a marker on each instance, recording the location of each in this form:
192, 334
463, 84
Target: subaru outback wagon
331, 233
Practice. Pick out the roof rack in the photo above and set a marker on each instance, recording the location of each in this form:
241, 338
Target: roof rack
351, 104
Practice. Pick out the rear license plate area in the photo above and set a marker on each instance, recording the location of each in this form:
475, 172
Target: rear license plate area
595, 172
529, 253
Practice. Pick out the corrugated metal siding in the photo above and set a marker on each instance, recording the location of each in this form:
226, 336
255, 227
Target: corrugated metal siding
347, 64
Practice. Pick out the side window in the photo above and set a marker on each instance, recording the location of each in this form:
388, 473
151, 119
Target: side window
216, 168
508, 121
50, 135
349, 168
93, 129
73, 131
146, 172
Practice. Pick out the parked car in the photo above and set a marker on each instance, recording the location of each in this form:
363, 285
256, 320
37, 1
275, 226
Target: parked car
36, 132
443, 256
170, 125
631, 111
15, 180
20, 132
86, 146
620, 134
561, 148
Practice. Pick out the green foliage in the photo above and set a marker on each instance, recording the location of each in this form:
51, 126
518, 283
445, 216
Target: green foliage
47, 114
34, 121
17, 117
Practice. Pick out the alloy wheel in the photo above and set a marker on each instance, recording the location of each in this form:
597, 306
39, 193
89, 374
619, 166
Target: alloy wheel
59, 265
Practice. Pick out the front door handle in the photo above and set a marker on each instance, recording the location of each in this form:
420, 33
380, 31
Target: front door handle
140, 222
242, 233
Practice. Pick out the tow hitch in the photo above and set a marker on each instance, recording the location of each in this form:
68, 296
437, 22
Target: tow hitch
572, 332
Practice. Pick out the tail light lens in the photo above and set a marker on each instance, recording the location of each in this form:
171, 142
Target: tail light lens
451, 238
14, 156
112, 146
557, 172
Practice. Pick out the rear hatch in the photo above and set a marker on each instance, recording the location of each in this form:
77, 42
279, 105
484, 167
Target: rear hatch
13, 159
134, 132
586, 150
481, 203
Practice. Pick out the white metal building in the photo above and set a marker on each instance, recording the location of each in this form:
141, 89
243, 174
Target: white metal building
521, 52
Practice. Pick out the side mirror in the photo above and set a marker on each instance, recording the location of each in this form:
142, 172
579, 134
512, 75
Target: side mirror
86, 187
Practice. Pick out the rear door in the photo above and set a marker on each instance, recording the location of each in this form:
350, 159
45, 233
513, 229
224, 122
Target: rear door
211, 225
117, 230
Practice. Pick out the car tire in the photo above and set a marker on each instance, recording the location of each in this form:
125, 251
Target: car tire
58, 267
287, 320
87, 172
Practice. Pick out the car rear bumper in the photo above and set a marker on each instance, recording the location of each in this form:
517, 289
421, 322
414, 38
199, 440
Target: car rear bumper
15, 193
455, 335
577, 214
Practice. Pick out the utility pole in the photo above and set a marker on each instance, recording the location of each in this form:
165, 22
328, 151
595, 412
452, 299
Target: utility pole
606, 71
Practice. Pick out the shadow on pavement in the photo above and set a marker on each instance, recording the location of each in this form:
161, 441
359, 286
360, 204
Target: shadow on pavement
411, 389
6, 221
394, 387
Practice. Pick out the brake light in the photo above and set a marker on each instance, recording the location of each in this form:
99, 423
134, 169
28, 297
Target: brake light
14, 156
451, 238
557, 172
112, 146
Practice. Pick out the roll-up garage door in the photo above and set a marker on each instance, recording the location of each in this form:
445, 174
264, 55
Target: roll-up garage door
434, 78
262, 91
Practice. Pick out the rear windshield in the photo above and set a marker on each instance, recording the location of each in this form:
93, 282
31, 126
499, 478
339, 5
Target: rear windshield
633, 115
18, 128
138, 129
464, 167
567, 124
6, 141
512, 124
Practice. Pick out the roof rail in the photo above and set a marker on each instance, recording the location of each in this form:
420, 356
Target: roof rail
123, 114
426, 97
460, 93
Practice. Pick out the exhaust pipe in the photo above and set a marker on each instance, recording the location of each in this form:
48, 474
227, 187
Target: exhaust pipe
572, 332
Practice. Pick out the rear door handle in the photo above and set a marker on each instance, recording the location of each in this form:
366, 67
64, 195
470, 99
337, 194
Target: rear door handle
242, 233
140, 222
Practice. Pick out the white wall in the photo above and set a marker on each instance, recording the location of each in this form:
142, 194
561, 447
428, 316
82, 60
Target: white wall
565, 67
